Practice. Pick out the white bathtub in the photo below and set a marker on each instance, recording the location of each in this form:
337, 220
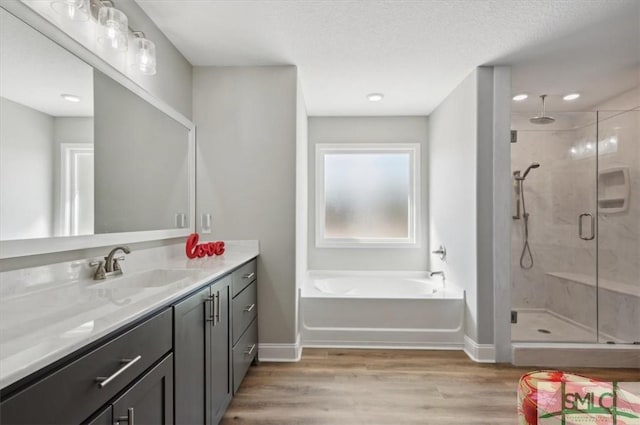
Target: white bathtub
395, 310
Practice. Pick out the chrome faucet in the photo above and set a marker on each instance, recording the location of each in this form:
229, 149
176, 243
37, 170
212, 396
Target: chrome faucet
110, 265
438, 273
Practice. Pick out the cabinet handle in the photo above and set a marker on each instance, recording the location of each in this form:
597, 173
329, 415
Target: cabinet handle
250, 350
218, 307
103, 382
249, 308
206, 302
249, 275
129, 418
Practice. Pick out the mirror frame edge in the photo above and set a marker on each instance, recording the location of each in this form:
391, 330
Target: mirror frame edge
37, 246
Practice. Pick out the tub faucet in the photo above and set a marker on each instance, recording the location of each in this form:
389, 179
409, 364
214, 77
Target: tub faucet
438, 273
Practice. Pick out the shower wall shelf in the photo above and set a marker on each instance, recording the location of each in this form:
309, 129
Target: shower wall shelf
613, 190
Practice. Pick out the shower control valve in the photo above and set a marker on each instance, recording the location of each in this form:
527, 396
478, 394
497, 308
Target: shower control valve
442, 251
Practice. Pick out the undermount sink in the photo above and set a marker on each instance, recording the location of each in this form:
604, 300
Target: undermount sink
152, 279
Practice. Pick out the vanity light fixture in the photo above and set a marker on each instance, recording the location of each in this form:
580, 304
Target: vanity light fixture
144, 53
70, 97
73, 10
520, 97
375, 97
113, 27
571, 96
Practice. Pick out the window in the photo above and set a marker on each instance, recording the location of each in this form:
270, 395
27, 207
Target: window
367, 195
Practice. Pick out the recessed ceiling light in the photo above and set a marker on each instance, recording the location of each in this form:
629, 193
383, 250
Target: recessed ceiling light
520, 97
70, 97
375, 97
572, 96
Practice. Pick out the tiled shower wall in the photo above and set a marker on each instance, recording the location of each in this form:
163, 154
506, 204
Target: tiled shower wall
564, 187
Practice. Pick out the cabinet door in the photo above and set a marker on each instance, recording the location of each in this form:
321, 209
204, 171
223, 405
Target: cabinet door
191, 355
150, 400
103, 418
220, 350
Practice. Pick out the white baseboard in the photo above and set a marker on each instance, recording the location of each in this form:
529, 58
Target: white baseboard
480, 353
280, 352
382, 345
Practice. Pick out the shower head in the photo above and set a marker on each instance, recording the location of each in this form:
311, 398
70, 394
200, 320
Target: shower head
533, 165
542, 118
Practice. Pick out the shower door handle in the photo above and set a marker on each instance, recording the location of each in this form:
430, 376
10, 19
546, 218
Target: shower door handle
593, 227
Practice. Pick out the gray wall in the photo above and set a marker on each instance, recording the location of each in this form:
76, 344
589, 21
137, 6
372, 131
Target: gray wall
369, 130
26, 172
141, 162
173, 81
246, 162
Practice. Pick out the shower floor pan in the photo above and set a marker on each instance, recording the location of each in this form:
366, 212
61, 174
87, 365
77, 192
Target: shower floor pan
544, 326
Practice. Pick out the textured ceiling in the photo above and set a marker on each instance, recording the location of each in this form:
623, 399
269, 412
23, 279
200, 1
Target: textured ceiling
415, 52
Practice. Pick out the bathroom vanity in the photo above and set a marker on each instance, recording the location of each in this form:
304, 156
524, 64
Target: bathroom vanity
180, 361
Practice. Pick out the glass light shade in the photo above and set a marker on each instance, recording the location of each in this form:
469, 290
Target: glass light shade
113, 28
73, 10
144, 52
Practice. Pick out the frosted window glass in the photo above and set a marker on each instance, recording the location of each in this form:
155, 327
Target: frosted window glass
367, 195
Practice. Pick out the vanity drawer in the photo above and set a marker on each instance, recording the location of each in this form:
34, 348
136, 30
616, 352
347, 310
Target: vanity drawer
243, 354
243, 276
244, 307
73, 393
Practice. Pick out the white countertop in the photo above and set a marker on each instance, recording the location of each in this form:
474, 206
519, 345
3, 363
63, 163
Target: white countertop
43, 325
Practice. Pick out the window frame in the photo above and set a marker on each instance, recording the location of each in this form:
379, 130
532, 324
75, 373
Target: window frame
322, 149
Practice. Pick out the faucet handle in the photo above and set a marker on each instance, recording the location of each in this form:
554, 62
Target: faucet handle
116, 264
100, 273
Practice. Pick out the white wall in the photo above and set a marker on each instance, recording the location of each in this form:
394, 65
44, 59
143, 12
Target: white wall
462, 134
26, 172
452, 190
68, 130
302, 200
369, 130
246, 161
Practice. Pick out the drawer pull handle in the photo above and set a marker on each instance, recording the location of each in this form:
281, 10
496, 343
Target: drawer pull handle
128, 418
250, 350
211, 317
249, 308
249, 275
103, 382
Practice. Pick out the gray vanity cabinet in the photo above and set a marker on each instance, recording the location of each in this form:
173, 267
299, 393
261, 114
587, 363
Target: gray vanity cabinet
202, 355
148, 402
79, 389
245, 323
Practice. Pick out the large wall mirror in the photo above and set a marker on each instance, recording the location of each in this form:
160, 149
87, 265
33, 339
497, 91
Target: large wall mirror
84, 160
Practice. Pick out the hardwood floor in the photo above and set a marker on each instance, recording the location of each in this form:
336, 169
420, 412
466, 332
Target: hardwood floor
384, 387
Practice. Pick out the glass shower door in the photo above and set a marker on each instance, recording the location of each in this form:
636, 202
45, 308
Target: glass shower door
619, 226
554, 229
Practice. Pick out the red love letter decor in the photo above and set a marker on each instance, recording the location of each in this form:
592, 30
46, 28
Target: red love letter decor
193, 249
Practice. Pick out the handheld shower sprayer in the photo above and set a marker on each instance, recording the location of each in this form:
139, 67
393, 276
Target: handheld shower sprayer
526, 250
524, 175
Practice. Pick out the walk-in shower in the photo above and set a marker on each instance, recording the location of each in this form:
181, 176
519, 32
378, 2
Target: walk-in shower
580, 222
526, 257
